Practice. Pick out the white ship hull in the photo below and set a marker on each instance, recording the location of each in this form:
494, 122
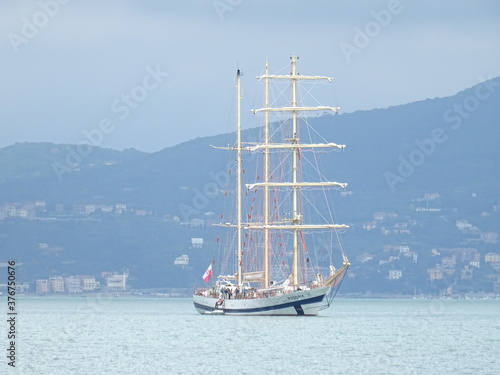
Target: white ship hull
303, 302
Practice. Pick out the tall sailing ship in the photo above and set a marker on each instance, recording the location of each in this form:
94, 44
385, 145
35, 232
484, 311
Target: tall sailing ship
280, 250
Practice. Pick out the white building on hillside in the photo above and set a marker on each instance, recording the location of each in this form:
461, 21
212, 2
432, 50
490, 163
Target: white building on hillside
117, 283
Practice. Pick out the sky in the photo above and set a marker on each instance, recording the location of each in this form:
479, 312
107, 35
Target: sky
149, 75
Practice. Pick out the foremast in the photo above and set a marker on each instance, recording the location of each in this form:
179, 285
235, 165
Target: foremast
239, 185
296, 221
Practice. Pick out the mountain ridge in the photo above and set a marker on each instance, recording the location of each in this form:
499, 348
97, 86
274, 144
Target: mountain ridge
444, 146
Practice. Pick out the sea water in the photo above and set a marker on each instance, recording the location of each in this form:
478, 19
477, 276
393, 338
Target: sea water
96, 335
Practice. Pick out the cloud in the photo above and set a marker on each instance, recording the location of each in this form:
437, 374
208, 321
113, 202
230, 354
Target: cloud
65, 78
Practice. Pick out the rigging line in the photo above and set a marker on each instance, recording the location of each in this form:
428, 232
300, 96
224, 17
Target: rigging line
324, 246
315, 168
276, 127
315, 209
285, 67
282, 91
317, 165
329, 204
248, 101
283, 202
337, 287
280, 165
306, 93
311, 128
256, 68
332, 89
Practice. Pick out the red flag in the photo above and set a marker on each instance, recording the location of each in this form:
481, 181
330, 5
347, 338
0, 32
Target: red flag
208, 273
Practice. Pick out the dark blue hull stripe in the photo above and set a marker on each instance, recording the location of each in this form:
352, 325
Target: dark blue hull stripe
296, 304
299, 309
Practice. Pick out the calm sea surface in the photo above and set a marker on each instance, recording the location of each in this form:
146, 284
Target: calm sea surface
62, 336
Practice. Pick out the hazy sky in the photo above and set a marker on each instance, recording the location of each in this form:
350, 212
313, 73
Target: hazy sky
152, 74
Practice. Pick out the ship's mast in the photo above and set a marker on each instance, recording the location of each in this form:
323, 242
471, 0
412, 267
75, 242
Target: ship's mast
266, 179
239, 274
295, 150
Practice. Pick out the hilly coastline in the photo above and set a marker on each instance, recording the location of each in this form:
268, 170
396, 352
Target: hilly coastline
423, 201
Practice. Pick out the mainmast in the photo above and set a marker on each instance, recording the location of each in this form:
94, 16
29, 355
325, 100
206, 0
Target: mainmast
295, 209
294, 145
239, 274
266, 180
